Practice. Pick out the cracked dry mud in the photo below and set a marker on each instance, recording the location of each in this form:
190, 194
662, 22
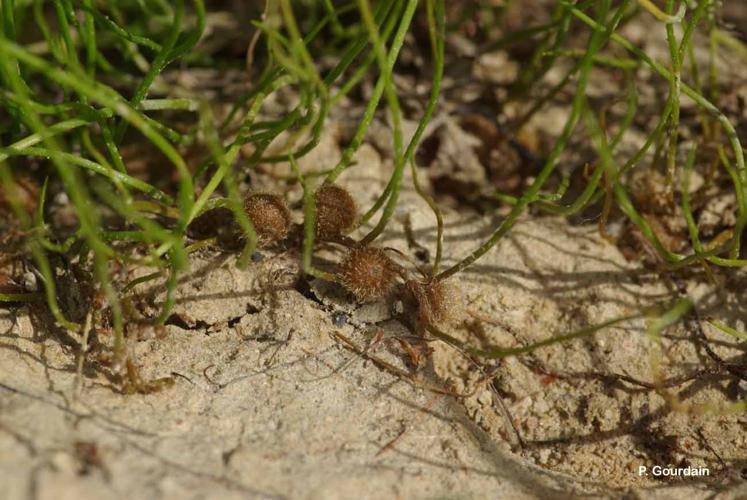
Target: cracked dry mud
269, 401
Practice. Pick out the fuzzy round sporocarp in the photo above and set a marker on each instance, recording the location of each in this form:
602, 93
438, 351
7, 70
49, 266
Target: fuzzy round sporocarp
335, 211
269, 215
433, 299
211, 223
368, 273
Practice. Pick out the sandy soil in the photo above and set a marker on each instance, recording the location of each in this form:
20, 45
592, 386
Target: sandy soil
270, 401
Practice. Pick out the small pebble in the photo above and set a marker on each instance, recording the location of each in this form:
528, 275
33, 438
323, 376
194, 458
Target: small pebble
29, 282
340, 319
422, 255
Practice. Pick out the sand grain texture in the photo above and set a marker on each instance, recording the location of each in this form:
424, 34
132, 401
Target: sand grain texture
268, 403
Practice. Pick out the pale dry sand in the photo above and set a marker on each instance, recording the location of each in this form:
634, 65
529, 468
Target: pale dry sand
268, 403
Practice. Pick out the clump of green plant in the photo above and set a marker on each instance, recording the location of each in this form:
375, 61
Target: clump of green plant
82, 81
